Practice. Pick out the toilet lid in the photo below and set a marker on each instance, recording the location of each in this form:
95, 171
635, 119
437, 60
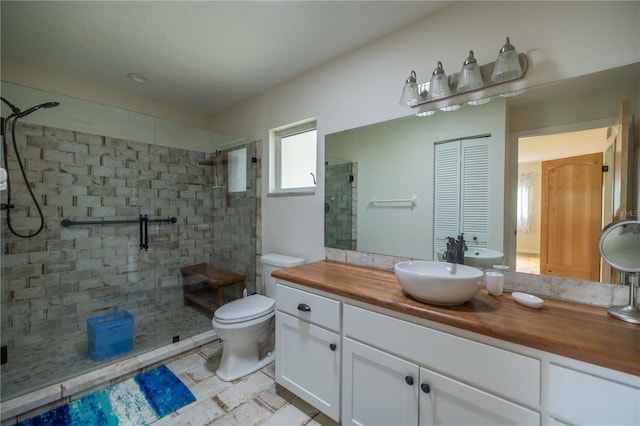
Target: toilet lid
244, 309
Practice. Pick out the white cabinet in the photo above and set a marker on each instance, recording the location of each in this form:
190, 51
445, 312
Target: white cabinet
308, 348
577, 397
444, 401
368, 368
380, 388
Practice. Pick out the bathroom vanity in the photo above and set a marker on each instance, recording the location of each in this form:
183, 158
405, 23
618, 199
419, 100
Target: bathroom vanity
349, 342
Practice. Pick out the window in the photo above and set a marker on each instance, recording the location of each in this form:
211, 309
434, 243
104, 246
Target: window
292, 159
237, 170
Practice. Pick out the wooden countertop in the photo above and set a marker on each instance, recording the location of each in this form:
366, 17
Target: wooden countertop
583, 332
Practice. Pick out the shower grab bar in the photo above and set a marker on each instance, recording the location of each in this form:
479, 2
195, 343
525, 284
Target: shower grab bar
66, 222
142, 220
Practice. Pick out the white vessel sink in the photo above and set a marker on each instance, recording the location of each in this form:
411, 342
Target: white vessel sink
478, 257
438, 283
481, 257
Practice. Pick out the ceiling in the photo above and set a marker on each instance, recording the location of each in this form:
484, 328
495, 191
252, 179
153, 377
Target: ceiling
202, 56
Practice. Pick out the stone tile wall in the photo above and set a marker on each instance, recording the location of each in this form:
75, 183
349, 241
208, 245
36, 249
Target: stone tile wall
53, 282
340, 205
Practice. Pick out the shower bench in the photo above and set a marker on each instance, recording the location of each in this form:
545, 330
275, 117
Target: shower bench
204, 284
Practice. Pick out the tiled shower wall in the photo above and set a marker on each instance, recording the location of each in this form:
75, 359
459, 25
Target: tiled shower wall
52, 282
235, 216
340, 205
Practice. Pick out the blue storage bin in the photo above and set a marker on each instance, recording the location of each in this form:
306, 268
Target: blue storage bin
110, 334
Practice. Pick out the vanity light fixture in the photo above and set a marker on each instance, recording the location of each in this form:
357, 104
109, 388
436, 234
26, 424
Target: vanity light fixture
410, 91
470, 76
439, 84
507, 65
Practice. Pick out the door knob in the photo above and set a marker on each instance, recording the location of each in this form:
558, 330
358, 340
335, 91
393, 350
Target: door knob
332, 346
409, 380
425, 388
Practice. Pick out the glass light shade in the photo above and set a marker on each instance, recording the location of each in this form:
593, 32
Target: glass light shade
477, 102
513, 93
451, 107
425, 113
507, 65
410, 91
439, 84
470, 76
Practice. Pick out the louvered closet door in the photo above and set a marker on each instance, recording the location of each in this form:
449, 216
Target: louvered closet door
474, 191
446, 194
461, 198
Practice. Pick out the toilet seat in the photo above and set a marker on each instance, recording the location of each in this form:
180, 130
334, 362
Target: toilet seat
245, 309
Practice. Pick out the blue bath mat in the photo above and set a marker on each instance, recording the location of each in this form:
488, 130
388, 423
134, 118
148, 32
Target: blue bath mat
136, 401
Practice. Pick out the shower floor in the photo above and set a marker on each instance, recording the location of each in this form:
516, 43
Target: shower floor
38, 365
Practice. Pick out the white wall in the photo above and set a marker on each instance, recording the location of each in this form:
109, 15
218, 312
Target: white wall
100, 119
562, 40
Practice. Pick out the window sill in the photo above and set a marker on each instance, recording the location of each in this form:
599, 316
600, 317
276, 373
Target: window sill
293, 192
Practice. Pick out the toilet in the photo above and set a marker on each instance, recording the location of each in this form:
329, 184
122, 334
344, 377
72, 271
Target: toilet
246, 326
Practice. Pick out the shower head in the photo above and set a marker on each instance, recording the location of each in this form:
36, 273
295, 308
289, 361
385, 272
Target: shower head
17, 113
37, 107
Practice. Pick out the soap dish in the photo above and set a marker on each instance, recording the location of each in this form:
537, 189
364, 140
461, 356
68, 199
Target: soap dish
528, 300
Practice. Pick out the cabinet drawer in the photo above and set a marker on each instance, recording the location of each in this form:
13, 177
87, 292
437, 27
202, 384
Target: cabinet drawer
504, 373
580, 398
316, 309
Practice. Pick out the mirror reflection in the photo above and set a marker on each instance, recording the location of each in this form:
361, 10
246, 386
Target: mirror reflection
548, 137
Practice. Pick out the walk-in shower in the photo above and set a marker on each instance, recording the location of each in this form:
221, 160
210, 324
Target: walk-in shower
9, 130
120, 219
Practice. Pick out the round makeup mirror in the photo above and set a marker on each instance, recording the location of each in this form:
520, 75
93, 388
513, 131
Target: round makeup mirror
620, 248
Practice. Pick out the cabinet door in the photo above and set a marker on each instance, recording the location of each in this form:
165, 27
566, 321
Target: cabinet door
379, 389
449, 402
308, 363
576, 397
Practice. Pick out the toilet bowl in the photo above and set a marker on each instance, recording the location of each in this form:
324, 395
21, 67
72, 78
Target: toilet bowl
246, 326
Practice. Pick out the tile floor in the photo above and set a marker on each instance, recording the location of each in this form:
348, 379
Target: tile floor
38, 364
252, 400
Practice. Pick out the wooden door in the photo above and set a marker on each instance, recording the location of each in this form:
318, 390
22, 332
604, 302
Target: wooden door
571, 217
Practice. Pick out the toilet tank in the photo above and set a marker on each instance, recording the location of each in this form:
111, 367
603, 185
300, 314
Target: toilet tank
271, 262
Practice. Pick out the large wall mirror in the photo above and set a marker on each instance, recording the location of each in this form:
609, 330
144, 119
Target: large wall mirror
548, 147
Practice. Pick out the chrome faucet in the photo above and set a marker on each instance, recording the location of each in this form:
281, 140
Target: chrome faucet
455, 249
451, 254
462, 247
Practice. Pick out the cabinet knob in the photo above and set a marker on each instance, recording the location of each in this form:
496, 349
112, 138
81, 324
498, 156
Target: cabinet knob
332, 346
425, 388
304, 307
409, 380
